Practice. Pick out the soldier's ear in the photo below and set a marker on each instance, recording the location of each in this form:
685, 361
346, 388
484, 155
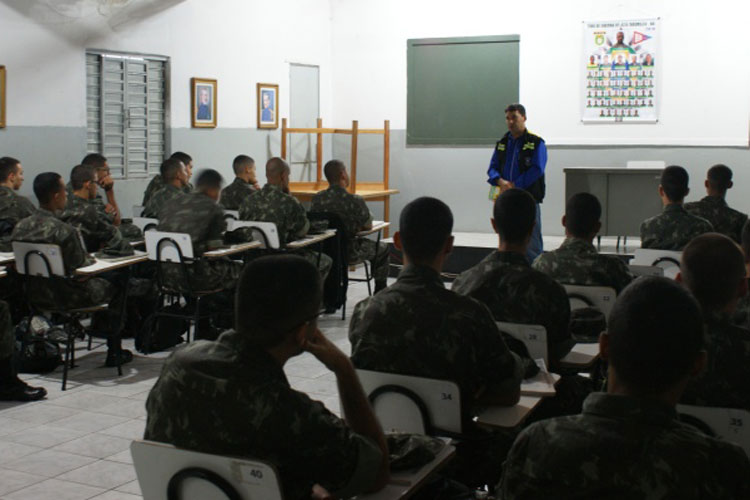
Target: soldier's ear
678, 278
494, 226
397, 241
604, 345
564, 221
448, 245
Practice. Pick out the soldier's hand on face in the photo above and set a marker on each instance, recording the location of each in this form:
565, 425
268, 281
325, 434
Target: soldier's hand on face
326, 351
110, 209
107, 182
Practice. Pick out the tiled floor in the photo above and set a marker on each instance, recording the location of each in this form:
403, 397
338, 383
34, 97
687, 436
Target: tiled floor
75, 444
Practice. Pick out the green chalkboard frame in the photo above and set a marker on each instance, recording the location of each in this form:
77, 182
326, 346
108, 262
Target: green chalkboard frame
483, 70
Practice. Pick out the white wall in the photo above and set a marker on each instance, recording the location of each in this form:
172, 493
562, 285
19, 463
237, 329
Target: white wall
705, 73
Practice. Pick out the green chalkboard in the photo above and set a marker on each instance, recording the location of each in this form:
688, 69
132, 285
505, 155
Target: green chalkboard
458, 88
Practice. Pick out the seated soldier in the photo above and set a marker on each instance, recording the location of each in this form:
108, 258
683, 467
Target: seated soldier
274, 204
12, 388
174, 175
418, 327
741, 316
506, 283
629, 442
356, 217
674, 227
577, 262
13, 207
244, 183
157, 182
231, 396
52, 294
80, 212
713, 268
714, 207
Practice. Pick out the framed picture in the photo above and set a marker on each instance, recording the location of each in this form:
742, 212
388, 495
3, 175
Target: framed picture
203, 102
2, 96
268, 105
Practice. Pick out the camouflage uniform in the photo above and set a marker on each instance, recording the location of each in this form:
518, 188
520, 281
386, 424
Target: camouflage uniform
7, 340
233, 195
715, 210
159, 199
672, 229
626, 448
230, 397
200, 217
515, 293
724, 382
97, 231
354, 212
418, 327
155, 185
13, 208
272, 204
577, 262
741, 315
127, 229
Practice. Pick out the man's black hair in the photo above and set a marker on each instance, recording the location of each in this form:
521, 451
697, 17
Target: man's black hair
720, 177
514, 213
712, 267
80, 175
655, 334
183, 157
425, 225
516, 107
275, 295
94, 160
240, 162
208, 179
8, 166
170, 168
674, 180
582, 212
46, 186
332, 171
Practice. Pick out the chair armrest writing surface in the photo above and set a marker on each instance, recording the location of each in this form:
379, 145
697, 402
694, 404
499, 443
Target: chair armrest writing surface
232, 249
582, 355
376, 227
508, 416
6, 257
3, 272
104, 265
541, 384
311, 239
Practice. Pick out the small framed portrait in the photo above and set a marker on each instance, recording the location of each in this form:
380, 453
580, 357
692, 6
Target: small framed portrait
268, 105
203, 102
2, 96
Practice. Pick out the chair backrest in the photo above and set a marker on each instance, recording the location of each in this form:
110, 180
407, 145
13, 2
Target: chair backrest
669, 260
413, 404
231, 215
168, 247
38, 259
601, 297
727, 423
646, 164
168, 473
265, 232
534, 338
640, 270
145, 223
137, 210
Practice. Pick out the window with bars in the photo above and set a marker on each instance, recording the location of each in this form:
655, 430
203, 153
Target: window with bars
126, 105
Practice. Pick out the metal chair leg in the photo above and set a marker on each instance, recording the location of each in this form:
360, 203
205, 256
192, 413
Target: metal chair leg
367, 277
68, 351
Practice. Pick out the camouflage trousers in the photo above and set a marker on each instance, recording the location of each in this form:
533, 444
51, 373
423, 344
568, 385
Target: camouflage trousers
204, 275
364, 249
323, 266
6, 332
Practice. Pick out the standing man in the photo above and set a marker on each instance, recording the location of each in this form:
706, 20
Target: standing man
518, 161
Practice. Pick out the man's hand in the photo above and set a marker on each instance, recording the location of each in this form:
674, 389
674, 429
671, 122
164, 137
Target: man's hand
110, 209
326, 352
505, 185
256, 185
107, 182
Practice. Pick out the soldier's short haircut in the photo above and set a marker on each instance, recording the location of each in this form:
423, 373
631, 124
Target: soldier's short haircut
514, 213
333, 169
240, 162
425, 225
208, 179
275, 167
94, 160
745, 239
719, 177
183, 157
674, 180
582, 212
8, 166
655, 334
275, 295
80, 175
712, 267
46, 186
170, 168
516, 107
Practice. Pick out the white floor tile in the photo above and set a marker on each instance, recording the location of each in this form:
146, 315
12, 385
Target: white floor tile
132, 429
44, 436
54, 489
132, 487
41, 412
102, 474
10, 425
48, 463
13, 451
90, 422
95, 445
117, 495
124, 457
12, 480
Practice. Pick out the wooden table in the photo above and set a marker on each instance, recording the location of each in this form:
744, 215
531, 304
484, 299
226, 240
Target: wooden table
311, 239
103, 265
232, 249
377, 225
508, 416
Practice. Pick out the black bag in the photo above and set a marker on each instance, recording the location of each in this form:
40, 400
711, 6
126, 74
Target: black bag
586, 324
34, 352
161, 332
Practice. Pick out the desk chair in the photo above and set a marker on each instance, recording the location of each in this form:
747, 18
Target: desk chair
45, 260
726, 423
534, 337
145, 223
669, 260
168, 473
601, 297
337, 284
137, 210
230, 215
265, 232
176, 249
368, 272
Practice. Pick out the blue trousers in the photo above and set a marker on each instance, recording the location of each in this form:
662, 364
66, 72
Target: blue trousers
536, 246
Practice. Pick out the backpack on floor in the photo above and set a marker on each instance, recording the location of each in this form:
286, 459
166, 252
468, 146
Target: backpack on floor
161, 332
35, 350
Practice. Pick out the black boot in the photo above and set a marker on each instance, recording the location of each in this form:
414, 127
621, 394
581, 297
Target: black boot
13, 388
115, 351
